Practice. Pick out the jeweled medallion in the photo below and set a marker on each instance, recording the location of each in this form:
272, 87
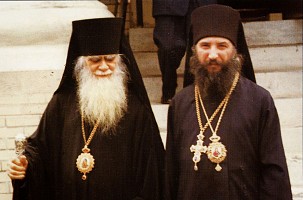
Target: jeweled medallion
216, 153
85, 162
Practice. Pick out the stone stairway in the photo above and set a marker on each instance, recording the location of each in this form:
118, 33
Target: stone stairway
33, 49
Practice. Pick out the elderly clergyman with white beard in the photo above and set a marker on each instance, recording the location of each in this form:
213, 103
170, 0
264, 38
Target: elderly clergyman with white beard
98, 138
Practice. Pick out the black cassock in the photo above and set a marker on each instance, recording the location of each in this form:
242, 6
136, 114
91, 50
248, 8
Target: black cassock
128, 164
255, 167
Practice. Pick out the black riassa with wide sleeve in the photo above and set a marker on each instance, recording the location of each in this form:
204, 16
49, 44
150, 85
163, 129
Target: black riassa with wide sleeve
255, 167
128, 164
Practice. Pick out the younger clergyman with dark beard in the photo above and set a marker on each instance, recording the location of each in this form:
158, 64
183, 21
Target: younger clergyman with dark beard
98, 138
224, 140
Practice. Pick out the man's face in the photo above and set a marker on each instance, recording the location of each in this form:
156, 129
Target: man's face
213, 52
101, 65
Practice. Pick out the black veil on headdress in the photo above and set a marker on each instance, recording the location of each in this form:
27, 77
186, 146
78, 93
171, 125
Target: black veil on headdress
100, 36
222, 21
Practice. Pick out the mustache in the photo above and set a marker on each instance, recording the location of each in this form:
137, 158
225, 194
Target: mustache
213, 62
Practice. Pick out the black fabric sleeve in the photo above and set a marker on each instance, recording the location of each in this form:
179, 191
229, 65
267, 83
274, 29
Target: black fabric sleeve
274, 183
171, 176
149, 161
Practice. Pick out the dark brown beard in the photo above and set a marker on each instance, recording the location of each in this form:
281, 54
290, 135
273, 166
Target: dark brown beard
215, 86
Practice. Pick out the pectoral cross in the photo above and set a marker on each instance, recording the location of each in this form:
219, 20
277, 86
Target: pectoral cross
198, 149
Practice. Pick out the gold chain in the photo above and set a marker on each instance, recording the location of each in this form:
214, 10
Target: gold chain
224, 101
216, 151
197, 94
85, 161
86, 143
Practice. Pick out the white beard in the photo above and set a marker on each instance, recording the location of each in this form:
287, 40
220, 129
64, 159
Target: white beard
103, 99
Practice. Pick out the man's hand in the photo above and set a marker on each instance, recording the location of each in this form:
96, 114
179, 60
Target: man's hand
17, 168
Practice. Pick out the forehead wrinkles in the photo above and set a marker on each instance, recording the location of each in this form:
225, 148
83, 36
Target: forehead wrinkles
215, 40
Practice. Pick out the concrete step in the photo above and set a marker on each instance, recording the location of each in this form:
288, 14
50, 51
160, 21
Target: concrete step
265, 33
44, 22
33, 57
